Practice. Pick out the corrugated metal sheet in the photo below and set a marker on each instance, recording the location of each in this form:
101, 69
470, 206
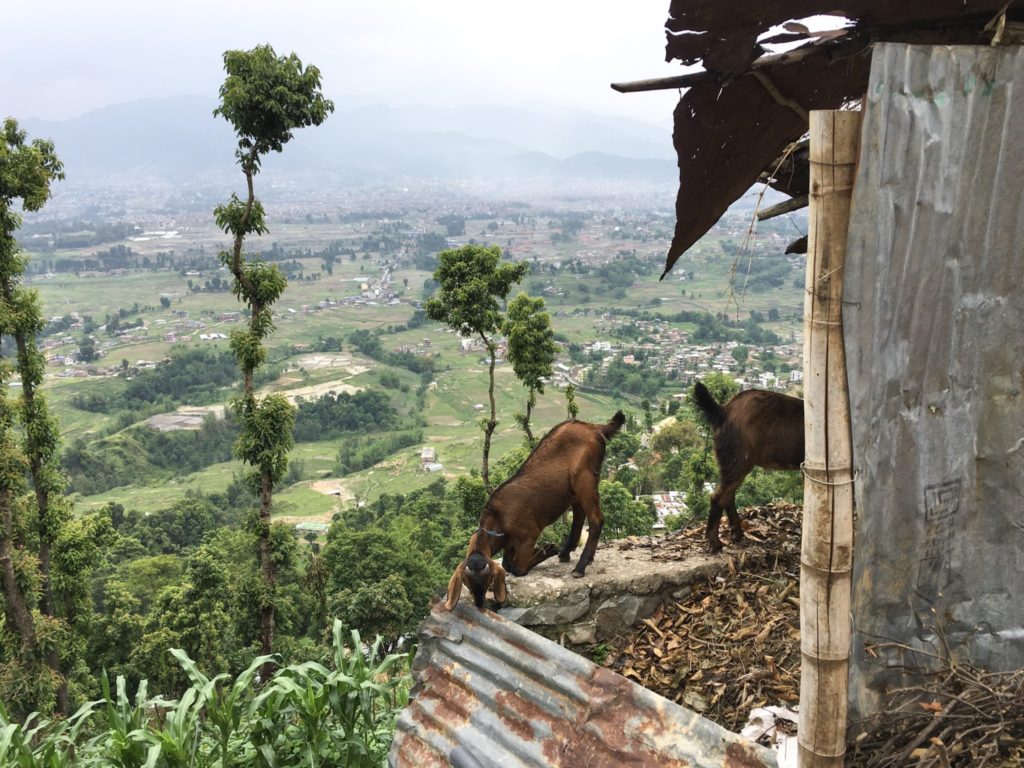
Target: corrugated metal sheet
934, 326
491, 693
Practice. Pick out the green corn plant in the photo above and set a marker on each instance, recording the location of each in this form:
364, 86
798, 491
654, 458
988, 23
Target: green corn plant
180, 738
313, 716
308, 715
55, 741
365, 698
122, 744
225, 706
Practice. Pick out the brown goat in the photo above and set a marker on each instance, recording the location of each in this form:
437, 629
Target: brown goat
754, 429
562, 471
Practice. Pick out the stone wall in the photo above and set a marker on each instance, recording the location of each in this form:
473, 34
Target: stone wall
625, 584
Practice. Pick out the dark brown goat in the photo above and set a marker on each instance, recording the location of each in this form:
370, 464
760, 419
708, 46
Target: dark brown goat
562, 471
754, 429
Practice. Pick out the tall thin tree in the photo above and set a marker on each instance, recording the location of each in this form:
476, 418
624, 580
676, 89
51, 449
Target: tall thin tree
472, 283
26, 172
265, 97
531, 350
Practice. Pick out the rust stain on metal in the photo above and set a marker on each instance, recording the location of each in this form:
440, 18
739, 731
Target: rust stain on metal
740, 756
489, 692
510, 715
450, 693
415, 752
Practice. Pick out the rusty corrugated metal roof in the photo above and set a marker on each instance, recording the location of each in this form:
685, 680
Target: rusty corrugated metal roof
489, 692
747, 106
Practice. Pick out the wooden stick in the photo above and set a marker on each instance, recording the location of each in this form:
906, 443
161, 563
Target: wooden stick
667, 83
785, 101
786, 206
826, 557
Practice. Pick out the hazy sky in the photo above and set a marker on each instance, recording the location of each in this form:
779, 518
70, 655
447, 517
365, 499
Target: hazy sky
61, 58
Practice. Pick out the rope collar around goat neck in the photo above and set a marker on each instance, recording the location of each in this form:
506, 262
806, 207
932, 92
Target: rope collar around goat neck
490, 533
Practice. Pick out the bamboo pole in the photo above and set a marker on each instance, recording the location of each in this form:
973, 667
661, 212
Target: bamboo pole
826, 557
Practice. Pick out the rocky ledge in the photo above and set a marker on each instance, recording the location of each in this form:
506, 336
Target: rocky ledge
626, 583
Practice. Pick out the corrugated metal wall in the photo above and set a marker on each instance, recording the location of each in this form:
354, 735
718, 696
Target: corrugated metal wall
491, 693
934, 326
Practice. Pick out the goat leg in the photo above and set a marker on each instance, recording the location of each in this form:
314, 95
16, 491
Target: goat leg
519, 564
593, 534
734, 521
711, 531
572, 539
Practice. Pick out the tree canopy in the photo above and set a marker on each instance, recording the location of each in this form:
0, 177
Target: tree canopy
531, 348
266, 97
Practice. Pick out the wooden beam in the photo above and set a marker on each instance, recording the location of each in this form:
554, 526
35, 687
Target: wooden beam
826, 556
668, 83
786, 206
843, 44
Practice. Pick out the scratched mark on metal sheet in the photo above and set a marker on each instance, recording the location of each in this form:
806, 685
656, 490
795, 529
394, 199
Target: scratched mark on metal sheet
941, 504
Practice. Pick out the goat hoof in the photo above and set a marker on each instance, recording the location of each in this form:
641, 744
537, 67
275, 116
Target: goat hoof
577, 573
737, 536
564, 558
714, 547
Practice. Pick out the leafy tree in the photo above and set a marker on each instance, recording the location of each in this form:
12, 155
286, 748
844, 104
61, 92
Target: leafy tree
359, 561
471, 284
680, 435
763, 487
26, 172
87, 349
265, 98
572, 409
531, 349
621, 449
380, 608
622, 515
315, 580
193, 615
721, 386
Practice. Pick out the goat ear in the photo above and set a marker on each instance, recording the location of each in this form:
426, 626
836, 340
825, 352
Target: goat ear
455, 587
500, 593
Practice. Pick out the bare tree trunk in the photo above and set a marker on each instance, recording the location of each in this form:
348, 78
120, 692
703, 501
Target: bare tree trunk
492, 423
526, 421
269, 573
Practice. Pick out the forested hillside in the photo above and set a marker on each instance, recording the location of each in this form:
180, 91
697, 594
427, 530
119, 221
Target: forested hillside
230, 437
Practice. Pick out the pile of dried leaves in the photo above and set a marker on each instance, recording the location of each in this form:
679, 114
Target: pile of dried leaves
734, 644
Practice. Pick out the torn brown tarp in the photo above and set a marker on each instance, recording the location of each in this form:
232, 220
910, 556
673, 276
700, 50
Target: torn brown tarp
732, 127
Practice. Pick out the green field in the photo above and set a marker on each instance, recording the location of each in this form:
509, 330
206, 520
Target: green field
450, 417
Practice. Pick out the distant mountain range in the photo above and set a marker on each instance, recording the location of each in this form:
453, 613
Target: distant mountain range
178, 140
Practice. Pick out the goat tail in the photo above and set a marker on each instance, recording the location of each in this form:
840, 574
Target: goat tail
708, 405
613, 426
